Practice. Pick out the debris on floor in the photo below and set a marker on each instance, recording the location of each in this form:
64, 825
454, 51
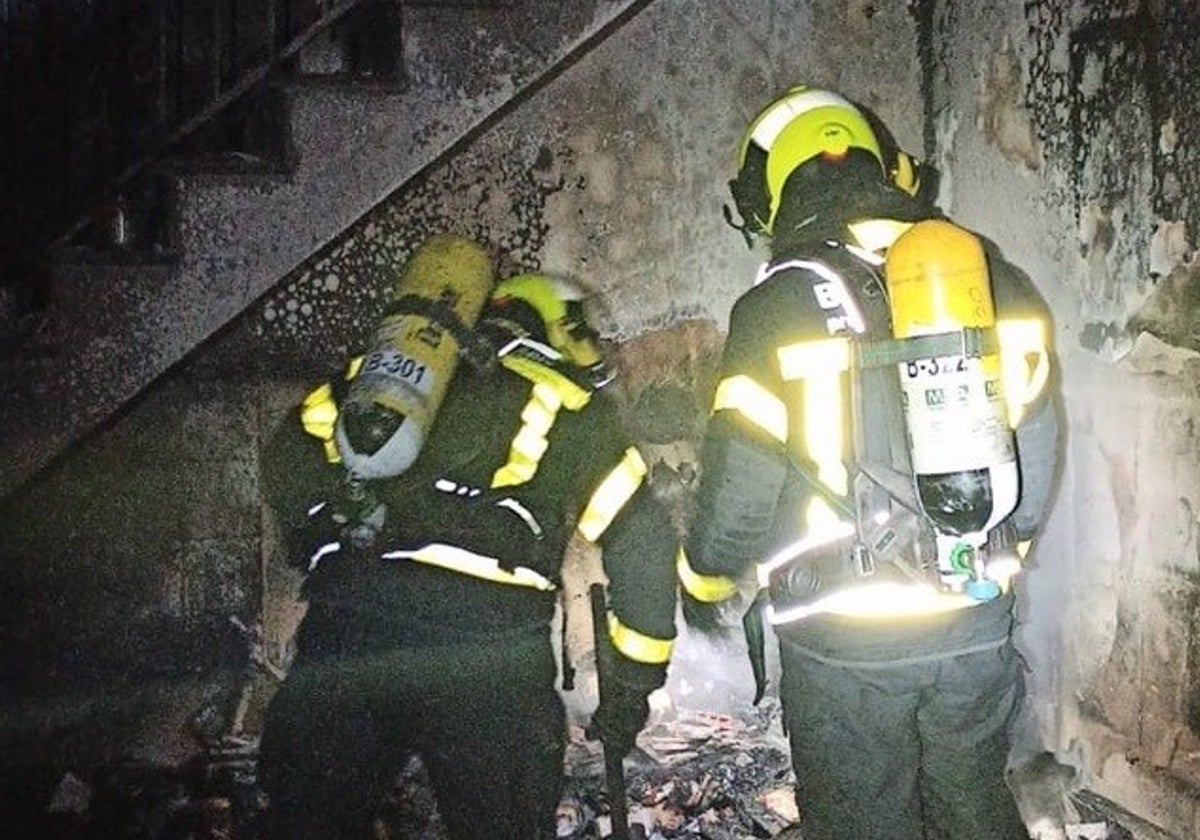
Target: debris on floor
692, 776
1107, 820
698, 775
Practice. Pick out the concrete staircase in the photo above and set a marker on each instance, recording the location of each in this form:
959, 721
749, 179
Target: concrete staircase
121, 318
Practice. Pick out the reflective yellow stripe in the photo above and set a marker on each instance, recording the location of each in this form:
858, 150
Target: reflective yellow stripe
877, 601
475, 565
708, 589
819, 366
824, 426
809, 359
638, 646
611, 494
551, 391
570, 394
820, 519
1020, 339
529, 443
332, 455
754, 402
815, 539
318, 416
319, 413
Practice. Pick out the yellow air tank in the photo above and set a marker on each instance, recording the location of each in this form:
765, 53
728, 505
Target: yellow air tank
962, 447
392, 402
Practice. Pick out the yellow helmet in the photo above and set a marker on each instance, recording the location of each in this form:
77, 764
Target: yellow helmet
802, 125
559, 305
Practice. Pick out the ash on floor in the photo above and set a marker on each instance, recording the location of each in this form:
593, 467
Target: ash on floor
693, 775
698, 775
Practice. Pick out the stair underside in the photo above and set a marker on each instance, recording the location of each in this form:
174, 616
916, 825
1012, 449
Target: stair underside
124, 322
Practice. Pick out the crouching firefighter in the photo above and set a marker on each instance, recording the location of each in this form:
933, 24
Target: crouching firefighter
879, 455
431, 501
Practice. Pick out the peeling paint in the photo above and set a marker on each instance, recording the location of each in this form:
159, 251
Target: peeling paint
946, 127
1169, 247
1005, 122
1172, 311
1151, 355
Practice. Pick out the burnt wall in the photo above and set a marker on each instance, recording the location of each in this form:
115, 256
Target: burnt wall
1064, 131
132, 563
1068, 132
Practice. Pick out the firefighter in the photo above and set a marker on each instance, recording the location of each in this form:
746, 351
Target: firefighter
432, 585
860, 464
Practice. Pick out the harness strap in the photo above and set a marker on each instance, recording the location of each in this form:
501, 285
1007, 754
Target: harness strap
971, 342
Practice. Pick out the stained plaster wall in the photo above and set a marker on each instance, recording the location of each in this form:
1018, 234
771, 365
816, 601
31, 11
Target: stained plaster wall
1061, 136
135, 554
619, 183
1067, 134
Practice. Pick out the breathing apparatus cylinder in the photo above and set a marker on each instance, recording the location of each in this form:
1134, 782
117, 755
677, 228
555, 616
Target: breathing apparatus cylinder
392, 402
962, 447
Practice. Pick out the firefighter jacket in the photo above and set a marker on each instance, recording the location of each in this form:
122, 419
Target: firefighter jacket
473, 533
778, 463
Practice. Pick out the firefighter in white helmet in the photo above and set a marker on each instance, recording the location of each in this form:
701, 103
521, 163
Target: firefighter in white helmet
883, 385
436, 540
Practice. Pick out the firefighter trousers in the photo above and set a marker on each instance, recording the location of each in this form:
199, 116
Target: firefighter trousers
908, 742
485, 718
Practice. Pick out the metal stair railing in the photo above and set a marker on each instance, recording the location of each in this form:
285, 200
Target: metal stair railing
94, 92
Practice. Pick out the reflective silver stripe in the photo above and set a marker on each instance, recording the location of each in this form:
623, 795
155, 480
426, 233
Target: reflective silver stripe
834, 531
534, 345
876, 601
466, 491
466, 562
453, 488
853, 317
323, 552
509, 503
781, 114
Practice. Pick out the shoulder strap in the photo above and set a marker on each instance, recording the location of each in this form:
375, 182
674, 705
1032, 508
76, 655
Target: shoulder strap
883, 482
472, 346
538, 368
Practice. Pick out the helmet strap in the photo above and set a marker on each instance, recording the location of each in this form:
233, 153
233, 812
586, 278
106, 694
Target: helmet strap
743, 228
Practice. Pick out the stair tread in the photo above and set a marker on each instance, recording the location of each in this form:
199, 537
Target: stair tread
225, 165
348, 82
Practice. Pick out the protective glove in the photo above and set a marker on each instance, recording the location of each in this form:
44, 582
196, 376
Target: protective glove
625, 688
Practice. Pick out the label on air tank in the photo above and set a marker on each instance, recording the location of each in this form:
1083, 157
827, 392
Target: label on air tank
391, 364
956, 414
